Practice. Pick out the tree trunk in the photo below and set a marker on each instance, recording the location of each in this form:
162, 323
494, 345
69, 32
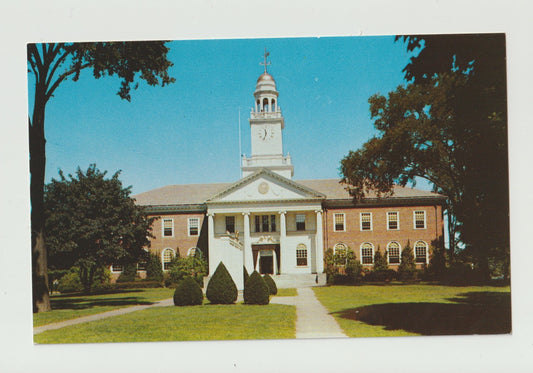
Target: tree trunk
41, 296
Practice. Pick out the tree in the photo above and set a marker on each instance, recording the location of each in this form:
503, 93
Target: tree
51, 64
407, 267
448, 125
380, 261
91, 222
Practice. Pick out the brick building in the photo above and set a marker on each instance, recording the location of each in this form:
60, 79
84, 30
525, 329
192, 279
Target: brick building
270, 223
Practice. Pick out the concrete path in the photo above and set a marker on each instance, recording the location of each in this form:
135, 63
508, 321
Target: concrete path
99, 316
312, 318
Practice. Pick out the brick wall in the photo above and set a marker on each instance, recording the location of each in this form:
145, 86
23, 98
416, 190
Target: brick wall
380, 235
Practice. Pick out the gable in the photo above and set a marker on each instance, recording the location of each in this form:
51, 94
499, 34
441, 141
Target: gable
264, 185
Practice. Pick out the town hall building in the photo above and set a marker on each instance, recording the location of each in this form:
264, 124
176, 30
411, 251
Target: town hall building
268, 222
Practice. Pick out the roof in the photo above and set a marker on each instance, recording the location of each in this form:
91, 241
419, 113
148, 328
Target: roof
196, 194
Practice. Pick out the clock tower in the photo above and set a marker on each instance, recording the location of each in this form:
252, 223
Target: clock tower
266, 127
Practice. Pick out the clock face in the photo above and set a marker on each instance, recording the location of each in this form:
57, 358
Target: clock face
265, 133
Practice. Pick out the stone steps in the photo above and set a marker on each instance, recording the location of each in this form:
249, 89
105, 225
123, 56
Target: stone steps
299, 280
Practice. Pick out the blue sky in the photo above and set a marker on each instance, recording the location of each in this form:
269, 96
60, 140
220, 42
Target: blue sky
188, 132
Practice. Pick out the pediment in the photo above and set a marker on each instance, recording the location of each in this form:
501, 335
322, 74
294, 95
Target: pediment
265, 185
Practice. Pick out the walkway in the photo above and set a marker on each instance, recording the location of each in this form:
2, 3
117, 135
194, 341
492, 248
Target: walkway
312, 318
99, 316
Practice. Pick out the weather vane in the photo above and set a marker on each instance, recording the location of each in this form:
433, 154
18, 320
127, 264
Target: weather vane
265, 63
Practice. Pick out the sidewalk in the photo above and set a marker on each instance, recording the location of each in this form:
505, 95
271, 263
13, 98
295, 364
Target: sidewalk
99, 316
312, 318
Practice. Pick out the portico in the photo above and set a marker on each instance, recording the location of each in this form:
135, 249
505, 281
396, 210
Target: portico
268, 223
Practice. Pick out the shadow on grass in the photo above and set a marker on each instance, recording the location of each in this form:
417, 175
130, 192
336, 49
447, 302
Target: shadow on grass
80, 303
473, 313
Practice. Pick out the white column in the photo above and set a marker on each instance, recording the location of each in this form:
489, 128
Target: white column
248, 259
213, 257
282, 234
319, 244
275, 262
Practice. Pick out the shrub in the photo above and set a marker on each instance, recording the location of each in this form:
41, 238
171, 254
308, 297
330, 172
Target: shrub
246, 276
380, 262
221, 289
381, 276
129, 273
188, 293
407, 267
102, 279
191, 266
272, 288
70, 283
353, 268
154, 270
53, 278
256, 290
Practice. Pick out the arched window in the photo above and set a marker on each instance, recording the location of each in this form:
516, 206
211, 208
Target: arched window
273, 105
192, 251
167, 255
339, 253
393, 251
301, 255
265, 104
367, 253
421, 252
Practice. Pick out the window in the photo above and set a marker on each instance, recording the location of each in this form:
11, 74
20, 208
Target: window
338, 220
117, 268
367, 253
168, 227
272, 223
421, 252
192, 251
366, 221
301, 255
420, 219
265, 223
300, 222
393, 250
141, 266
193, 226
168, 255
230, 224
339, 253
392, 220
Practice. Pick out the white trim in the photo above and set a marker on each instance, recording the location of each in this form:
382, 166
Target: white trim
113, 271
397, 220
414, 219
163, 257
189, 227
361, 254
399, 253
163, 227
190, 249
361, 222
427, 251
343, 222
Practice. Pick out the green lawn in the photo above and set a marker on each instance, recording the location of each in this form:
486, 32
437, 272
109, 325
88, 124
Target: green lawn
207, 322
397, 310
290, 292
66, 307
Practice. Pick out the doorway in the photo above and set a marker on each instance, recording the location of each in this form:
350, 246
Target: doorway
266, 265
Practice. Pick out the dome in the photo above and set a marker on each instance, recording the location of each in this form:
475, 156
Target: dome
266, 77
265, 83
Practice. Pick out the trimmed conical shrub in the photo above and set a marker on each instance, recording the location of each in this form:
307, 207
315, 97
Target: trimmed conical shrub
271, 284
221, 289
256, 290
188, 293
245, 274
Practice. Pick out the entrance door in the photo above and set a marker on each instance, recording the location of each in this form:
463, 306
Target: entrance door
266, 264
